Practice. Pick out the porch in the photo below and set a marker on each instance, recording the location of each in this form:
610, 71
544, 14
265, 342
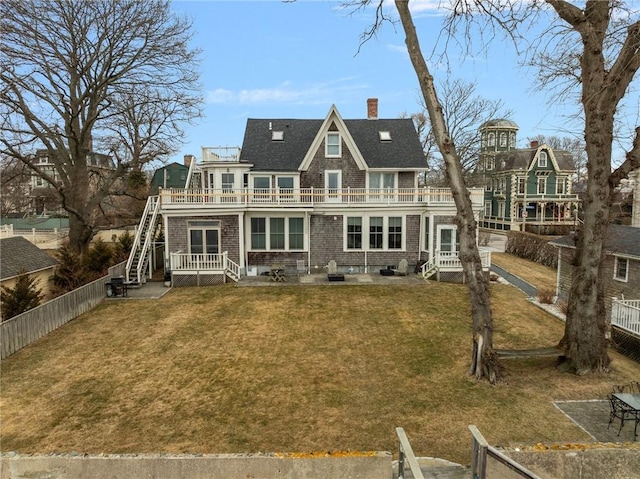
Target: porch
174, 198
208, 269
625, 314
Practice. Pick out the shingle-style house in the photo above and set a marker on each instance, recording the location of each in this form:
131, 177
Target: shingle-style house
173, 175
525, 188
621, 271
302, 193
18, 255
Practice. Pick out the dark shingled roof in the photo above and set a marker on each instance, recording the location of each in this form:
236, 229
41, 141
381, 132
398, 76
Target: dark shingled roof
17, 253
621, 239
499, 123
521, 158
402, 152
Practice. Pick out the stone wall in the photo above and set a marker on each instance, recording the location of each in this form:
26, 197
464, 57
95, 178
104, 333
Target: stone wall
223, 466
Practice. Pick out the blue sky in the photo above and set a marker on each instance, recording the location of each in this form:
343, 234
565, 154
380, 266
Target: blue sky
271, 59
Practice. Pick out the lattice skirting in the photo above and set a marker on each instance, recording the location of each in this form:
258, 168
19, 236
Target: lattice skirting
181, 280
626, 343
450, 276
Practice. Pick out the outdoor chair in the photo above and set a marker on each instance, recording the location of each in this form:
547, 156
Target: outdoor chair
332, 272
300, 267
402, 268
619, 411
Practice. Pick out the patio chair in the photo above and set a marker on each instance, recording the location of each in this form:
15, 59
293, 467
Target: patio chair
332, 272
402, 268
619, 411
300, 267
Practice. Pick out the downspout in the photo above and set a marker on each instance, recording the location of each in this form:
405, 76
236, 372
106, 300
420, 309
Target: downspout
307, 217
241, 243
558, 273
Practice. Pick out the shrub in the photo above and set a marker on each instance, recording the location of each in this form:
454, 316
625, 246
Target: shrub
22, 297
70, 272
533, 247
545, 296
123, 246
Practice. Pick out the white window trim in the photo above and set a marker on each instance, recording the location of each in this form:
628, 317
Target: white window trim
542, 181
615, 269
326, 145
267, 232
542, 159
366, 231
333, 197
487, 208
395, 179
454, 236
561, 182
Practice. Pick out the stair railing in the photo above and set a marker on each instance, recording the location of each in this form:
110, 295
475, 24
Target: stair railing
150, 211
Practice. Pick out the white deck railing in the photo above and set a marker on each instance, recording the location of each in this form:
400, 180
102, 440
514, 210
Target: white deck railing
179, 198
449, 260
625, 314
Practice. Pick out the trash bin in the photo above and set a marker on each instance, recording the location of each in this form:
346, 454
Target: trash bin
167, 278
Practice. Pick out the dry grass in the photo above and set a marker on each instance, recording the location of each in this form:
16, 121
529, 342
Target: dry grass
226, 369
541, 276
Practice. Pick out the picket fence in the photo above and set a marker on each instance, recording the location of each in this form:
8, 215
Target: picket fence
28, 327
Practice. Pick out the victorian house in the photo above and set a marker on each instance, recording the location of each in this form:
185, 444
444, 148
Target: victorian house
526, 189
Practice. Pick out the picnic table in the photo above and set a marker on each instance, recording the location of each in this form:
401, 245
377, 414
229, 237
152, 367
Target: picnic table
277, 273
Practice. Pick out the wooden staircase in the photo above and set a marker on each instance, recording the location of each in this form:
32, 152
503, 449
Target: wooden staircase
139, 257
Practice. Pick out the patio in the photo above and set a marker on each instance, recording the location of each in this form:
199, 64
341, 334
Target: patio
593, 417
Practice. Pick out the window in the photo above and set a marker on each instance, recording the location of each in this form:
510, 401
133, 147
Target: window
489, 184
276, 233
285, 185
512, 140
427, 236
503, 140
277, 135
395, 232
261, 184
447, 239
560, 186
382, 180
501, 209
43, 160
376, 229
354, 232
204, 237
385, 135
542, 159
490, 163
542, 185
296, 233
227, 182
621, 269
522, 185
487, 208
492, 139
258, 233
333, 183
332, 147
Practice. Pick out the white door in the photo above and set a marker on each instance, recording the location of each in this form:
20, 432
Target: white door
333, 184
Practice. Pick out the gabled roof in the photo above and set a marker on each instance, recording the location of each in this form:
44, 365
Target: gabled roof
621, 239
403, 151
523, 159
17, 253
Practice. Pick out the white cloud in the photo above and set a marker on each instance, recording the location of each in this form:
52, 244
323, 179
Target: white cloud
286, 92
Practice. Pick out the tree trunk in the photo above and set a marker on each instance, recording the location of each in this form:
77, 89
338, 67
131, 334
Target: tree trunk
484, 363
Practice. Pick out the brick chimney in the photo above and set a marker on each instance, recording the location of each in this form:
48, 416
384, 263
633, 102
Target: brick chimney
372, 108
188, 159
534, 144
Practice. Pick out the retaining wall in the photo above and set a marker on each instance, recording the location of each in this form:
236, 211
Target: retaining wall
211, 466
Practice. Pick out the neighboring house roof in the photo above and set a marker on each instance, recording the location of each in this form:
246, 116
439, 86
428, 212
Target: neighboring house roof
499, 123
522, 158
174, 178
17, 254
402, 151
621, 239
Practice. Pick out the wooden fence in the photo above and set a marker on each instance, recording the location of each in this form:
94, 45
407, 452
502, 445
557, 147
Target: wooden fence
28, 327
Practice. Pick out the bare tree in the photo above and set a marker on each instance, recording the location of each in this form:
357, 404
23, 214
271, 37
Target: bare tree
590, 51
80, 75
484, 363
14, 187
464, 111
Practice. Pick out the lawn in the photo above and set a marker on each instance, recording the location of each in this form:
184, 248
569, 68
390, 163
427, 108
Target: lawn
289, 369
541, 276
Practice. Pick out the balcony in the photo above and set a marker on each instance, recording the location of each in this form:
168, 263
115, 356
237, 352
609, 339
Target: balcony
311, 197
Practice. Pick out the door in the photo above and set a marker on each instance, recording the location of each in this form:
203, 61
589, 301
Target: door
333, 183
